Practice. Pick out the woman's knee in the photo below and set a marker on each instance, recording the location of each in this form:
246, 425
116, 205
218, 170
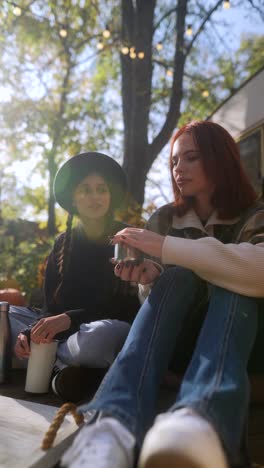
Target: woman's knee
182, 277
98, 343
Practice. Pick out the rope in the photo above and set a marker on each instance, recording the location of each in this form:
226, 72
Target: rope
57, 421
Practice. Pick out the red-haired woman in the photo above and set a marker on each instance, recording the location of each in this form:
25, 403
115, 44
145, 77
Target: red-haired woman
200, 317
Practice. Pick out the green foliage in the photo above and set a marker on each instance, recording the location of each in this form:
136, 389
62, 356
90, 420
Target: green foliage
64, 95
55, 110
134, 215
35, 197
251, 53
23, 262
230, 74
30, 255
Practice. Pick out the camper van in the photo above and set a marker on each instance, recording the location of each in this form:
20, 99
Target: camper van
242, 114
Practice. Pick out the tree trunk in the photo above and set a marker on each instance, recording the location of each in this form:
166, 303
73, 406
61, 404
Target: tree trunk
137, 31
57, 132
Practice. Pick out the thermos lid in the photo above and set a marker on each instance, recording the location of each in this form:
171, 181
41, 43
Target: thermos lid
4, 306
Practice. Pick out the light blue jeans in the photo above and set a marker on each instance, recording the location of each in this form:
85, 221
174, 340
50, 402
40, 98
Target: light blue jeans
96, 344
215, 383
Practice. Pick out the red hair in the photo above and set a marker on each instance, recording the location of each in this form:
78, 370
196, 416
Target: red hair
221, 162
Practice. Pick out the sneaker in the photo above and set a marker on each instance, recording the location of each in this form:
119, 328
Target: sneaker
182, 439
104, 444
75, 384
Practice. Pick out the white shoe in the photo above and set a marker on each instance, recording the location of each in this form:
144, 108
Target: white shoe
104, 444
182, 439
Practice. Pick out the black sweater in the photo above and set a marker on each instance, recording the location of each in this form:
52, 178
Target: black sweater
91, 291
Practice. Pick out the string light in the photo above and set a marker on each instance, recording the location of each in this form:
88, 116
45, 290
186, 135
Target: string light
63, 32
132, 53
17, 11
159, 46
189, 30
226, 4
169, 73
125, 50
205, 93
106, 33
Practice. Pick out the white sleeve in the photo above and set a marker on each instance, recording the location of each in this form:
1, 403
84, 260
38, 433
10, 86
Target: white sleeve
236, 267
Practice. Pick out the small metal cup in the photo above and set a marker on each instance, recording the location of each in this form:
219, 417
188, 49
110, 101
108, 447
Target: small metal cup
125, 253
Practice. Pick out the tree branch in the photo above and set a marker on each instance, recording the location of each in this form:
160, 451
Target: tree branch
261, 12
168, 13
177, 87
202, 25
159, 187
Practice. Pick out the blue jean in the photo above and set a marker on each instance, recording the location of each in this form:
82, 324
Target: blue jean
215, 383
96, 344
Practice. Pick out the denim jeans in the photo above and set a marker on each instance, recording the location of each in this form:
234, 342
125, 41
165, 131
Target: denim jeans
215, 383
96, 344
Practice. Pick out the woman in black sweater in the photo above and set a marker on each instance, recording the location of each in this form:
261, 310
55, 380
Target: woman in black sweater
86, 306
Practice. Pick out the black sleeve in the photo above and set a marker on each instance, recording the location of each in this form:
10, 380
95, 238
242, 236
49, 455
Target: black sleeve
77, 317
51, 308
26, 331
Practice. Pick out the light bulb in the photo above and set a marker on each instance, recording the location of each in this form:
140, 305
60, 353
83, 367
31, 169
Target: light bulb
226, 4
189, 30
100, 46
205, 93
17, 11
63, 32
159, 46
141, 55
169, 73
106, 33
125, 50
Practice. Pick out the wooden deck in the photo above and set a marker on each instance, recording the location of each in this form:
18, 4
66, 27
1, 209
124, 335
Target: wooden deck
15, 391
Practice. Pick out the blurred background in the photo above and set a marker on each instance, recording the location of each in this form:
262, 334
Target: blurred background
118, 76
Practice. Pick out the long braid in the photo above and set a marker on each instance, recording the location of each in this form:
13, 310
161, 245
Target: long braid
64, 258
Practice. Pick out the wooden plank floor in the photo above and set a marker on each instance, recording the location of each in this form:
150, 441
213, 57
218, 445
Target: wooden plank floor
15, 390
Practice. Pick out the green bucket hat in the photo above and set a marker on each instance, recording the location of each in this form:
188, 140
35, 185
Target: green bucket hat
73, 171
